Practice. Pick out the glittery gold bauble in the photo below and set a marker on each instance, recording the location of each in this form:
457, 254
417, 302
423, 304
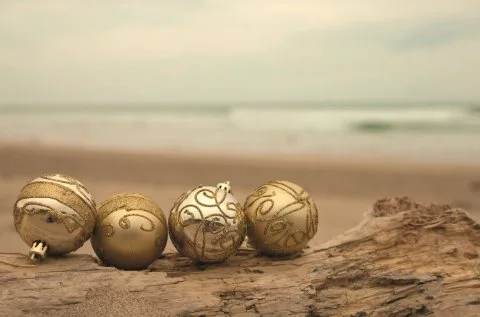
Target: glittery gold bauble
281, 218
130, 232
54, 214
207, 223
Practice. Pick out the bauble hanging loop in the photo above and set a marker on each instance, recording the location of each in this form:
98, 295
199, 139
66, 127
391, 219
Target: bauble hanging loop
38, 251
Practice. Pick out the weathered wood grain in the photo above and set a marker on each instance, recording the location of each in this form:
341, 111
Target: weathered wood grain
403, 259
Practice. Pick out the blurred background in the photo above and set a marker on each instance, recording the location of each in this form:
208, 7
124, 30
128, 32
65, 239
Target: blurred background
389, 79
326, 94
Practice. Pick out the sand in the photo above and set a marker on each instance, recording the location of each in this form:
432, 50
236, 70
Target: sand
342, 188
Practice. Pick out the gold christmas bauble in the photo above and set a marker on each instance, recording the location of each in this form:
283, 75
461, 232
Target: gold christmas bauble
130, 232
54, 214
207, 223
281, 218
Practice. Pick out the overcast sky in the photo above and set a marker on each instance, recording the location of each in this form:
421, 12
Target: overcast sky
200, 50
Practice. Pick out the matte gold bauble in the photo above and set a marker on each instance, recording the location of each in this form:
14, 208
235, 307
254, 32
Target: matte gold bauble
281, 218
54, 214
207, 223
130, 232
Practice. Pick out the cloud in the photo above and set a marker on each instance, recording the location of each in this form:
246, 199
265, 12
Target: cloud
237, 50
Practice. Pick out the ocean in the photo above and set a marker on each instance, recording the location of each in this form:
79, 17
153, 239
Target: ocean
404, 132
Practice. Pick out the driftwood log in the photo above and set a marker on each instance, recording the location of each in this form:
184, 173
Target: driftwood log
403, 259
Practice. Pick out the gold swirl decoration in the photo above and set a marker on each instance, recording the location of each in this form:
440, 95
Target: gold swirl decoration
56, 212
281, 218
130, 232
72, 182
207, 223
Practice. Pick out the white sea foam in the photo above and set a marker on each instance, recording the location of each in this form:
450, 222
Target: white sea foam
402, 131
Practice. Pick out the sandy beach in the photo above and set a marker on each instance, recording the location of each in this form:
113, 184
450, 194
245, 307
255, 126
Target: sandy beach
342, 188
372, 108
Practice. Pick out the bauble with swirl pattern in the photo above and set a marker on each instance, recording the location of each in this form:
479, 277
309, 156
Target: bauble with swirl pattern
207, 223
281, 218
130, 232
54, 214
